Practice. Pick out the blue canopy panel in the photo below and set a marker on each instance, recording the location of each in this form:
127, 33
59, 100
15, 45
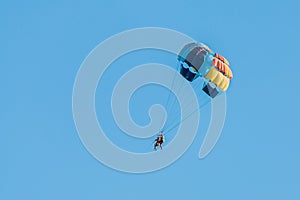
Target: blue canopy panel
185, 51
207, 64
188, 72
193, 60
211, 89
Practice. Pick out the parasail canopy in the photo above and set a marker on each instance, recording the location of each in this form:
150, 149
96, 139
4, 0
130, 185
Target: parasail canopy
198, 60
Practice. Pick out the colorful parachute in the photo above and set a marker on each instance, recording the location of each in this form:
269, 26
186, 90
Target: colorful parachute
197, 59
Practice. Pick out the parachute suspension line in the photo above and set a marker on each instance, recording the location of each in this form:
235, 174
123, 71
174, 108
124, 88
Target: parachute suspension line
167, 102
172, 86
186, 105
185, 118
179, 89
170, 108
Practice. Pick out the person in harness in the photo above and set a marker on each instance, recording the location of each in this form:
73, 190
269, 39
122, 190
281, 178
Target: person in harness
159, 141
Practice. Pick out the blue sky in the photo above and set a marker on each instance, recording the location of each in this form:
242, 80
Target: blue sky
43, 44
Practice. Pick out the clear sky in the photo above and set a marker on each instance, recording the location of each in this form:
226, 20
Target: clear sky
42, 45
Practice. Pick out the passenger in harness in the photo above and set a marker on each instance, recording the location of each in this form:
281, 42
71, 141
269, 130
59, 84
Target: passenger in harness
159, 141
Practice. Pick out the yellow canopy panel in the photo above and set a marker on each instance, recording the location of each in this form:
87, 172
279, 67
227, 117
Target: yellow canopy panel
218, 79
228, 72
